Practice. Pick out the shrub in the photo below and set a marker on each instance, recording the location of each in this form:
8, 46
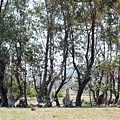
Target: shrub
60, 95
15, 89
30, 92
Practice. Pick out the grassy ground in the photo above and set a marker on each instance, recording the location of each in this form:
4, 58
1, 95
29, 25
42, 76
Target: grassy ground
60, 114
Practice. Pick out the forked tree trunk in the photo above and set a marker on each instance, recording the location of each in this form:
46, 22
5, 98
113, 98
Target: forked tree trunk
44, 84
63, 62
61, 69
81, 89
58, 90
89, 55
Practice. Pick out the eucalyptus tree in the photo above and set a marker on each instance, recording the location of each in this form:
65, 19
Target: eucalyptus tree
63, 27
6, 28
34, 60
87, 14
89, 17
53, 31
64, 42
47, 27
110, 37
19, 43
45, 14
13, 39
107, 50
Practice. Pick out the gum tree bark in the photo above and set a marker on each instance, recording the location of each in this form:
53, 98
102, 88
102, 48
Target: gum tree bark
2, 90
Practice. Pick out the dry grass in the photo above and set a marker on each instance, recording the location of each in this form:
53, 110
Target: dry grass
60, 114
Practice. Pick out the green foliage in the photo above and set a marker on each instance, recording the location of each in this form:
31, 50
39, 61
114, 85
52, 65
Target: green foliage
15, 90
31, 92
96, 85
52, 95
6, 84
60, 95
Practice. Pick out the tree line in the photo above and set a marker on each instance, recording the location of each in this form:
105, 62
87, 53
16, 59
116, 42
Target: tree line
38, 38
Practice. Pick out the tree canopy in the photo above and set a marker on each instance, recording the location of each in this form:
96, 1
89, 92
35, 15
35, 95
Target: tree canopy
41, 40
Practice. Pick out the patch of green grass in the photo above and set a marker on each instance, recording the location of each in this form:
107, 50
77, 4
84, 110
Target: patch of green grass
55, 116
